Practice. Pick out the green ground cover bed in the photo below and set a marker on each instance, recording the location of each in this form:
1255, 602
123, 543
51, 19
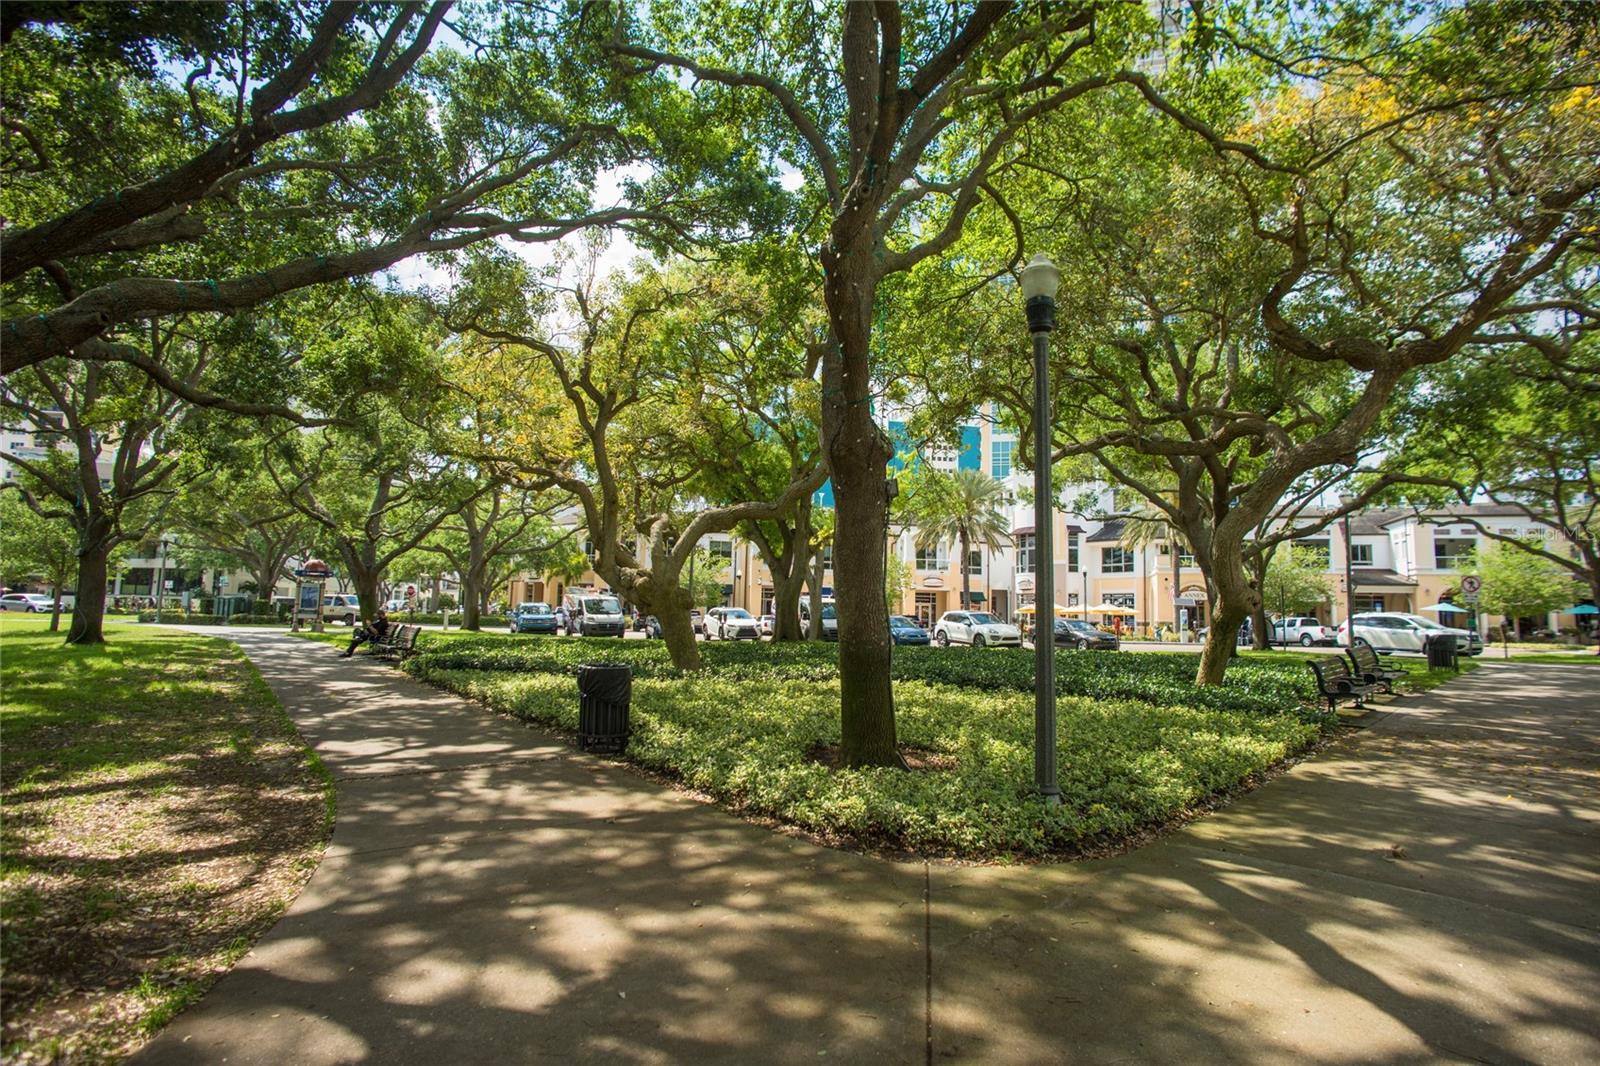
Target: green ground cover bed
763, 747
160, 813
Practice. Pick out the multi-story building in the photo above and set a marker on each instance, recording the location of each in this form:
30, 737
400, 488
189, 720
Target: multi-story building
1402, 560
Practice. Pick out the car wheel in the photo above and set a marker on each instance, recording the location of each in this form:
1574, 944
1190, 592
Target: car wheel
942, 639
978, 640
350, 620
1083, 645
1305, 640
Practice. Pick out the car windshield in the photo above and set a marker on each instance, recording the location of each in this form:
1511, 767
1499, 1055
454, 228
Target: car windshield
1425, 623
1074, 624
534, 608
901, 622
602, 605
827, 611
982, 619
736, 612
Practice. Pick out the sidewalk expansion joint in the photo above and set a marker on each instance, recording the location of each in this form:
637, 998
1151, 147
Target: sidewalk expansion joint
422, 771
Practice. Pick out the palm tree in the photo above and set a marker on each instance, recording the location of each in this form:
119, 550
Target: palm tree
964, 506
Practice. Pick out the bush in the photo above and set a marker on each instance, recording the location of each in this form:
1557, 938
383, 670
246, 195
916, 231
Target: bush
197, 618
1124, 765
1254, 686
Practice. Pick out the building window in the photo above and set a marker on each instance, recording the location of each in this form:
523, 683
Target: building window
1072, 552
1000, 454
1318, 548
1453, 553
721, 547
827, 557
1360, 555
1116, 561
932, 558
975, 561
1025, 544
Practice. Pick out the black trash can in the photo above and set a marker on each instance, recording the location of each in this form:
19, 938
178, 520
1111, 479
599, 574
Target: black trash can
604, 693
1441, 649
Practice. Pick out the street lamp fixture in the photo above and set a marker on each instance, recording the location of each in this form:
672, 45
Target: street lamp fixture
1346, 499
1040, 279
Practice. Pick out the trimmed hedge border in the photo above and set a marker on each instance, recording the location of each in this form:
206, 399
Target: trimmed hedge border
1255, 687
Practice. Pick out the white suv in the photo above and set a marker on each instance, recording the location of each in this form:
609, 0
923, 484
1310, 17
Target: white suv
978, 628
1304, 631
731, 623
344, 607
29, 602
1407, 632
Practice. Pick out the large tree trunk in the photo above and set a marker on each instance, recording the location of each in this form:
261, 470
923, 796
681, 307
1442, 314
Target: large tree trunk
966, 578
365, 574
55, 607
867, 729
678, 633
89, 607
814, 590
1261, 628
786, 590
1235, 601
659, 593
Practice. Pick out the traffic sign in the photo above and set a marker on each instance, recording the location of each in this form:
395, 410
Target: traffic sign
1471, 584
1470, 597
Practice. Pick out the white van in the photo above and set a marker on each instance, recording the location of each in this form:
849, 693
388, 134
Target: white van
594, 614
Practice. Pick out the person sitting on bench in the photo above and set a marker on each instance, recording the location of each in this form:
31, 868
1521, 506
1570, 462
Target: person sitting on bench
367, 634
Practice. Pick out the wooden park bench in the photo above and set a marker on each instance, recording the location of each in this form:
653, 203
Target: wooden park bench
1335, 681
1370, 669
400, 642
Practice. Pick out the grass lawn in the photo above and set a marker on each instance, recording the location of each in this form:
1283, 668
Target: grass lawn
160, 813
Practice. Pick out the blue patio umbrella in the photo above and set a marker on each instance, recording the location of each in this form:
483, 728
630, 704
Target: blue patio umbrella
1446, 608
1583, 608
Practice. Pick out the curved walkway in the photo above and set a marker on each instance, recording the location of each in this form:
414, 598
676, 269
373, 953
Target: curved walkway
1427, 890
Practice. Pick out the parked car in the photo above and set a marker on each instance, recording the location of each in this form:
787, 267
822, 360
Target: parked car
1394, 632
593, 614
830, 619
697, 622
342, 607
731, 623
28, 602
395, 603
769, 624
978, 628
652, 628
903, 630
1303, 631
1076, 633
533, 617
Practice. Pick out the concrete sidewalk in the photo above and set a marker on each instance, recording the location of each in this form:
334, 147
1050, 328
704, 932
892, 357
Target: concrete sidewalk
1428, 890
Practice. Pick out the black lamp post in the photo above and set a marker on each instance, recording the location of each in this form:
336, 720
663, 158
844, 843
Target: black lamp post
161, 579
1040, 278
1345, 500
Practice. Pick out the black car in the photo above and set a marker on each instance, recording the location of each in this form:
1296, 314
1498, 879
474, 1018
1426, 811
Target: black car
1072, 633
